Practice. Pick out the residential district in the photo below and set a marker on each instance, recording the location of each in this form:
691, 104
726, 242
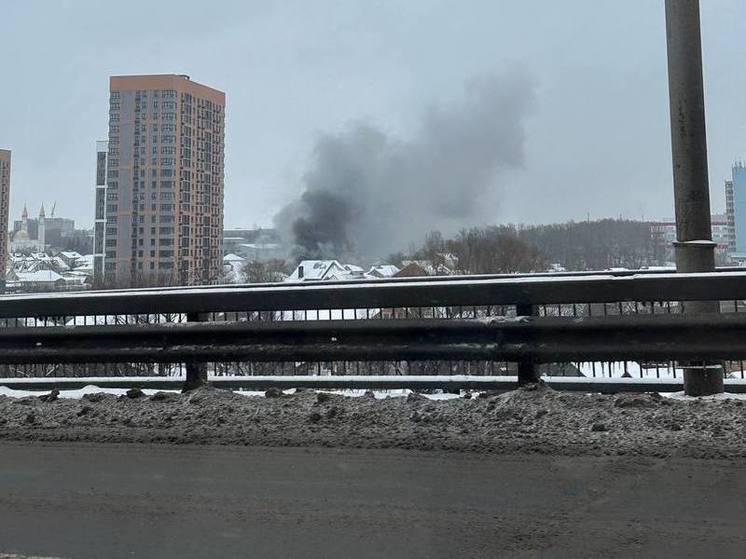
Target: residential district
158, 211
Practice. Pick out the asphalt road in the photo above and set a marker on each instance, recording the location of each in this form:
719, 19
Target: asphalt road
85, 500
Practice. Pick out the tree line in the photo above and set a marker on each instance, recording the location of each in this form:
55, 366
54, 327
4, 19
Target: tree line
497, 249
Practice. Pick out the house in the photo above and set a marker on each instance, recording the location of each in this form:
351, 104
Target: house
233, 268
412, 269
430, 268
70, 258
383, 271
325, 270
262, 252
41, 272
40, 280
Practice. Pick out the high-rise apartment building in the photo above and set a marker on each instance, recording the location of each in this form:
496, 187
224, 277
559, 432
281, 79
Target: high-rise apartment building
164, 187
730, 216
99, 224
735, 207
4, 210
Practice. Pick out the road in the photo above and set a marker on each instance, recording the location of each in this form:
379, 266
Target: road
86, 500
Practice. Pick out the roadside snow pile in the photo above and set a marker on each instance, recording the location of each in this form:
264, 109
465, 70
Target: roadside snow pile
715, 397
93, 389
532, 419
72, 394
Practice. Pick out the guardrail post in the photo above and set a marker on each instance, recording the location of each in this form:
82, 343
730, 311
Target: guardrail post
196, 372
695, 251
528, 372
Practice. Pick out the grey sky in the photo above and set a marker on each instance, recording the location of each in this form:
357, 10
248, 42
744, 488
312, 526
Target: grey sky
597, 140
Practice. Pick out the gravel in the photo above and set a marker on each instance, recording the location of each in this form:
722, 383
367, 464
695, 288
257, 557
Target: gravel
534, 419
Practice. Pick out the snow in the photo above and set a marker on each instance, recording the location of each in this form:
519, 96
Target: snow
38, 276
616, 369
715, 397
705, 242
383, 271
315, 270
396, 393
284, 380
327, 314
74, 394
77, 394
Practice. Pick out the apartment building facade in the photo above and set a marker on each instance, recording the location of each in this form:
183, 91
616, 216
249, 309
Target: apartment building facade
735, 196
99, 222
163, 211
730, 215
4, 209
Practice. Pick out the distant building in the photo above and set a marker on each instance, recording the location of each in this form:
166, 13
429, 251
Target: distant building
333, 270
67, 271
325, 270
414, 268
42, 233
165, 177
233, 268
383, 271
737, 209
255, 245
99, 226
730, 216
4, 207
28, 234
40, 280
663, 236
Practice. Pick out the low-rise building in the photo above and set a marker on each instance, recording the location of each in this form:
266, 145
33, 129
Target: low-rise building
383, 271
233, 268
38, 271
325, 270
663, 236
255, 245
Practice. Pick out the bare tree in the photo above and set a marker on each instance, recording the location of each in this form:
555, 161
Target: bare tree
271, 271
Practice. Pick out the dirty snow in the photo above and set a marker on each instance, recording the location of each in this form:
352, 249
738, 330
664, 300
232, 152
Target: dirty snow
532, 419
93, 389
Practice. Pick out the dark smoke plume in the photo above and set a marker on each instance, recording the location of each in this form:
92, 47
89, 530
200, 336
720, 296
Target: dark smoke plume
368, 194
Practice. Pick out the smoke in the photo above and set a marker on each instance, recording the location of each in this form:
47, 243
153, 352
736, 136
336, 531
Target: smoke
368, 194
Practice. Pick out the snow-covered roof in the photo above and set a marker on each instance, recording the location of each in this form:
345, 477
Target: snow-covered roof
328, 270
233, 258
58, 263
316, 270
261, 246
39, 276
383, 271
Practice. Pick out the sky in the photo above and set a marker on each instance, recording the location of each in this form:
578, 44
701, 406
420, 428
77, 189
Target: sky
595, 144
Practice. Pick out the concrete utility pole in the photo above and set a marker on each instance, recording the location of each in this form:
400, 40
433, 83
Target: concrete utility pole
695, 250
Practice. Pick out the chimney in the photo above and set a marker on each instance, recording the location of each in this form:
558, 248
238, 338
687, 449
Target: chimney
300, 272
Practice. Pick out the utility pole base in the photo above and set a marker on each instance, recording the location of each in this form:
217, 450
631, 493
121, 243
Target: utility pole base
196, 377
703, 380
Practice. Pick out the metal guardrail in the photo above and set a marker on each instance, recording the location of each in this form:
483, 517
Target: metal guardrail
525, 320
450, 383
535, 339
454, 291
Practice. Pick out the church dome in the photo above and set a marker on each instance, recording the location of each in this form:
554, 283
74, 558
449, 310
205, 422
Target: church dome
21, 236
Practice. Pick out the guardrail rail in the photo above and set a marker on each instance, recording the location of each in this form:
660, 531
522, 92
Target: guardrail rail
593, 325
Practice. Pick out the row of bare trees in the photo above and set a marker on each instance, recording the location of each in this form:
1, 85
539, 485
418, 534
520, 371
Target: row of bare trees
590, 245
488, 250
